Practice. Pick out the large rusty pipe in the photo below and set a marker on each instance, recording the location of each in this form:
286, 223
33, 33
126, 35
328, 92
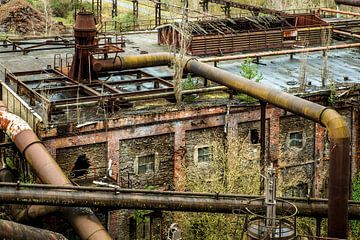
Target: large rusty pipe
48, 171
158, 200
339, 173
132, 62
16, 231
355, 3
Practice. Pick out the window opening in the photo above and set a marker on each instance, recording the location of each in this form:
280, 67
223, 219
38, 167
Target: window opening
81, 166
254, 136
296, 139
204, 154
146, 164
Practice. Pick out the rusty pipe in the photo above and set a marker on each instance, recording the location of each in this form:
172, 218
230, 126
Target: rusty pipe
339, 135
157, 200
339, 11
339, 173
131, 62
16, 231
46, 168
355, 3
281, 52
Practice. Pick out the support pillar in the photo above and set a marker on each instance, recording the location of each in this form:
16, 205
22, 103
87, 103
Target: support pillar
262, 145
179, 156
158, 13
135, 8
114, 11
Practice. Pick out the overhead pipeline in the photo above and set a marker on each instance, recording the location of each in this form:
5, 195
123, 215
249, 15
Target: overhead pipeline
339, 136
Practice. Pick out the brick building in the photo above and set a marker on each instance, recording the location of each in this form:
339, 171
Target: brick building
150, 148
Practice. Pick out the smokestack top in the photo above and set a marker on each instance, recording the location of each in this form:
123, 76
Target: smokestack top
85, 25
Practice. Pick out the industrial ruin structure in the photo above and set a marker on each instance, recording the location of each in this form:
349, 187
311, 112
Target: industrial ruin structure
248, 34
107, 119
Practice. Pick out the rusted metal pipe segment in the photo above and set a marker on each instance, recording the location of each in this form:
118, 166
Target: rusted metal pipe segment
16, 231
48, 171
132, 62
157, 200
339, 135
339, 11
281, 52
355, 3
339, 173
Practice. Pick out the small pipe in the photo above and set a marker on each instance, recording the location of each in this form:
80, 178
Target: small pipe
339, 11
354, 35
282, 52
16, 231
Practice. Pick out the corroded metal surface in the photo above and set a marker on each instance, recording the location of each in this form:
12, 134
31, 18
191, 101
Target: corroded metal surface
48, 171
16, 231
334, 122
117, 198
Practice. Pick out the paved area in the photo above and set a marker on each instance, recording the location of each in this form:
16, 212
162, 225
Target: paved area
343, 66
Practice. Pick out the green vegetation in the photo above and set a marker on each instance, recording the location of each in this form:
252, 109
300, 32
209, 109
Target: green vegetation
355, 225
250, 71
61, 8
332, 97
188, 84
223, 172
127, 21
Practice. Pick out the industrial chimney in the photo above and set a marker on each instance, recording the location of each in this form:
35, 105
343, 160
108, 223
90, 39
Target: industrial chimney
85, 33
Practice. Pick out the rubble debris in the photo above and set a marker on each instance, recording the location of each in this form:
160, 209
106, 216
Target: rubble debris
20, 17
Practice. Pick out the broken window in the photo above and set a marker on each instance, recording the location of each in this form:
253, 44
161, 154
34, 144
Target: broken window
81, 166
300, 190
203, 154
254, 136
296, 139
146, 164
145, 225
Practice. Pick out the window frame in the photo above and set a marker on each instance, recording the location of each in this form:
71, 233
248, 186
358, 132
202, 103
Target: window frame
156, 163
296, 140
196, 154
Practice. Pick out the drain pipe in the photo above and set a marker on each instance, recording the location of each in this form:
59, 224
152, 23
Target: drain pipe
339, 136
45, 167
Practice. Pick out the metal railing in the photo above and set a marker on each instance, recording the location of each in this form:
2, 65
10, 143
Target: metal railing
18, 106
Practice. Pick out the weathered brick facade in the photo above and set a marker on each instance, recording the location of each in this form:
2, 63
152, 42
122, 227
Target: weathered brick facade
173, 136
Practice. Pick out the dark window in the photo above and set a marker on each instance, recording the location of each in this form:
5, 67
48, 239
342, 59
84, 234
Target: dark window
296, 139
300, 190
254, 136
81, 166
204, 154
145, 225
146, 164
